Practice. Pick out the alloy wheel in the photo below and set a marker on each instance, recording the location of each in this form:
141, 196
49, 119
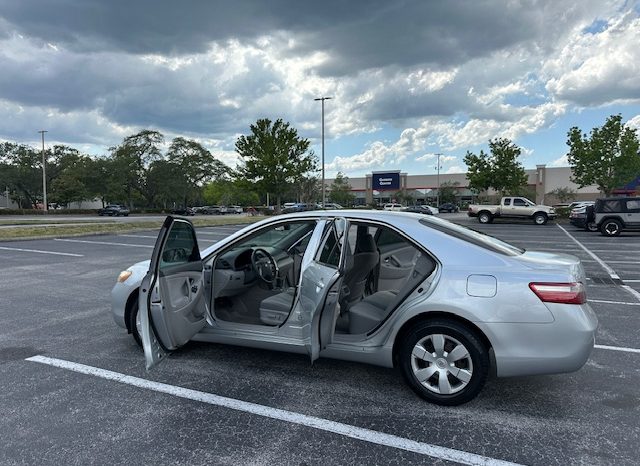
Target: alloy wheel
441, 364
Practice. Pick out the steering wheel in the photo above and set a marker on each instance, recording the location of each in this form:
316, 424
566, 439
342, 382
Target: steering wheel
265, 265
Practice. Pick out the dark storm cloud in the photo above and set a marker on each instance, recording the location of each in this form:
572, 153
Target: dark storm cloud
356, 34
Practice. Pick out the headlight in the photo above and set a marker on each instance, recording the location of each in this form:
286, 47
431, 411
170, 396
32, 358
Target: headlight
124, 275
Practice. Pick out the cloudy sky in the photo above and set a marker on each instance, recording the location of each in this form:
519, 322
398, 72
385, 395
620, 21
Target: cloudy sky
408, 79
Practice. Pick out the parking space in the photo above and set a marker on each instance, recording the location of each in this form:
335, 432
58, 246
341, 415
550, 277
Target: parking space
54, 301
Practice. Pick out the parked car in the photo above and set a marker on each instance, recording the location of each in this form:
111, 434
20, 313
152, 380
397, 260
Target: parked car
616, 214
332, 206
211, 210
583, 217
299, 207
443, 303
512, 207
418, 209
448, 207
186, 211
114, 210
392, 206
235, 209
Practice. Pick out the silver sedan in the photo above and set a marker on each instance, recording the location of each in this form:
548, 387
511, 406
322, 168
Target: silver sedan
443, 303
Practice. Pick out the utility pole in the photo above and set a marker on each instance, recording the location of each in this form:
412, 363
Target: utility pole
322, 99
438, 194
44, 174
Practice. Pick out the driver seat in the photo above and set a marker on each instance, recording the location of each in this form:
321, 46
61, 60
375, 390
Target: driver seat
275, 309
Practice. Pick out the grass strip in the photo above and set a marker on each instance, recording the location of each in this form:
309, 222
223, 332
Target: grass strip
61, 230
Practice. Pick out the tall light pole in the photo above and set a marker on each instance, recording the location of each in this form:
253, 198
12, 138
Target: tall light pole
322, 99
438, 193
44, 174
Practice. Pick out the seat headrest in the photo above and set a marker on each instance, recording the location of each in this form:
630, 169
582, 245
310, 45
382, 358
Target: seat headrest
366, 243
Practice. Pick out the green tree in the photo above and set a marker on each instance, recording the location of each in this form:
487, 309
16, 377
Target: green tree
608, 158
130, 161
448, 191
340, 191
21, 172
273, 156
499, 170
196, 164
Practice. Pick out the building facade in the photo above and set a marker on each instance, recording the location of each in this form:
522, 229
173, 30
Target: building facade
382, 187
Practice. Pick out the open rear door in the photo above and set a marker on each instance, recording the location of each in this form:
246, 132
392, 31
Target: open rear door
320, 287
172, 299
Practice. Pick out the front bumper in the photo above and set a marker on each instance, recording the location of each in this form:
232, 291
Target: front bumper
563, 345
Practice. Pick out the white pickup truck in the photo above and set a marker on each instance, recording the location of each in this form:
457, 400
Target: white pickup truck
512, 207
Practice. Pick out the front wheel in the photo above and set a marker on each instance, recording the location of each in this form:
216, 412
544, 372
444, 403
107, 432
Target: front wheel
134, 323
540, 219
444, 362
611, 228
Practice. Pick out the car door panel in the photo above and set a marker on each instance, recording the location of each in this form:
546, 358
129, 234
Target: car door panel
172, 301
320, 288
396, 263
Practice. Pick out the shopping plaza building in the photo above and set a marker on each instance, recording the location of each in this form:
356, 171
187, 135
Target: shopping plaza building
380, 187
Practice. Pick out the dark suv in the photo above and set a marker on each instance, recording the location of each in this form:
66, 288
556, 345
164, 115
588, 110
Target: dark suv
114, 210
615, 214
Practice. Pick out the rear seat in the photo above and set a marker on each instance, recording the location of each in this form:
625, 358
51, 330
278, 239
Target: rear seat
368, 313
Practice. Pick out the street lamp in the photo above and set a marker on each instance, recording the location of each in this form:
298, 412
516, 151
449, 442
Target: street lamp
322, 99
44, 174
438, 193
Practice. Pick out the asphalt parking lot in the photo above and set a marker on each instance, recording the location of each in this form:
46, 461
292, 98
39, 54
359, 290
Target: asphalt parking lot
54, 302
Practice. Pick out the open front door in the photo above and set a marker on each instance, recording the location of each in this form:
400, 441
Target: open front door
320, 287
172, 301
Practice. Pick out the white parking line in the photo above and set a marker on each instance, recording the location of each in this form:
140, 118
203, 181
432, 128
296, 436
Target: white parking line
104, 242
43, 252
618, 348
358, 433
604, 301
604, 265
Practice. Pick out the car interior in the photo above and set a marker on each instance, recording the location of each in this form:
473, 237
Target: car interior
255, 281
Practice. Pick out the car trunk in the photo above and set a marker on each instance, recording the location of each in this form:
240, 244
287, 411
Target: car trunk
554, 261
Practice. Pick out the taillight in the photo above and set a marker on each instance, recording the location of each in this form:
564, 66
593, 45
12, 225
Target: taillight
564, 293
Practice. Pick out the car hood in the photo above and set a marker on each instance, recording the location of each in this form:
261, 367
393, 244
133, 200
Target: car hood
553, 261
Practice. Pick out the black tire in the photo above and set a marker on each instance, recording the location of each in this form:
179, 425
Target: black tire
133, 317
485, 217
611, 227
591, 226
476, 361
540, 218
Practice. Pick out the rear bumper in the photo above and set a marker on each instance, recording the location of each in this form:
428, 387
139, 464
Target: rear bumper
530, 349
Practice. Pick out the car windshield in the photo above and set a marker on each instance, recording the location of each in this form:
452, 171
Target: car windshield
472, 236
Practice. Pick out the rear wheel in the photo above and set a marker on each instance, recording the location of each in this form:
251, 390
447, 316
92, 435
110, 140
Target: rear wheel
484, 217
540, 219
444, 362
611, 227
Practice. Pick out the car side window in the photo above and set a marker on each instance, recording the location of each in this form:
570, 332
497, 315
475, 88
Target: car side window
519, 202
388, 236
181, 246
633, 205
330, 251
507, 201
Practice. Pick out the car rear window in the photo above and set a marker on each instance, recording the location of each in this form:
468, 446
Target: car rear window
472, 236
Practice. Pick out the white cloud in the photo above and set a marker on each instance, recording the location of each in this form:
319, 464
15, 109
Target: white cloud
560, 162
600, 68
634, 123
456, 169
